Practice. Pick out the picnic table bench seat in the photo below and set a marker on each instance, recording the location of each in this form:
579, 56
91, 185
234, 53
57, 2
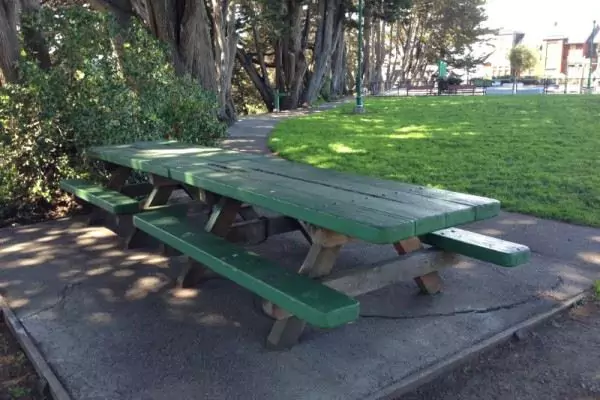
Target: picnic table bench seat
107, 199
481, 247
465, 89
305, 298
420, 89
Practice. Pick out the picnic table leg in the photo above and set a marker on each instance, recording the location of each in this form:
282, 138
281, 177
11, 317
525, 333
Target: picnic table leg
117, 180
221, 218
208, 198
319, 262
159, 196
430, 283
248, 213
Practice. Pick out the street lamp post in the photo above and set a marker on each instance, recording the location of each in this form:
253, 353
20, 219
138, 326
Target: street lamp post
591, 51
359, 100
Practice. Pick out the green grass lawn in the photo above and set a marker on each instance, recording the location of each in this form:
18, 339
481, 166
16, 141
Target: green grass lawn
536, 154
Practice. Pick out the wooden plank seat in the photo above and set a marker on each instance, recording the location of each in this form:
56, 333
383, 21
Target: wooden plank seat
303, 297
480, 247
420, 89
107, 199
465, 89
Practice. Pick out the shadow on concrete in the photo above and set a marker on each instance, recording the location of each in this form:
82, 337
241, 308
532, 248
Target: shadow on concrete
112, 325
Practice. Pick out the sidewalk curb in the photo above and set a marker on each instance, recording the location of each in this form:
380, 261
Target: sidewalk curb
426, 375
56, 388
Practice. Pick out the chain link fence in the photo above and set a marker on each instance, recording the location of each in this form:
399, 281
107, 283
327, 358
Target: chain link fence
500, 86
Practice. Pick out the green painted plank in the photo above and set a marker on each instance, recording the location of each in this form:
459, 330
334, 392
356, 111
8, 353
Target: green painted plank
339, 215
154, 157
425, 219
427, 216
107, 199
305, 298
481, 247
484, 207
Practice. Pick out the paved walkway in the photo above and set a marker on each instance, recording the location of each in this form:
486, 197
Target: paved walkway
112, 327
251, 133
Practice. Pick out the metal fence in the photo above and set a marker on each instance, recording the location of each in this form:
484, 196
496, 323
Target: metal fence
488, 87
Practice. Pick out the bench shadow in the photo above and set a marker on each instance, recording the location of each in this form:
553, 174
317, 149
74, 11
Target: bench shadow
79, 294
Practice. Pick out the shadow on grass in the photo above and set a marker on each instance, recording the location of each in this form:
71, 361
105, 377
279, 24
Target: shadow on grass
536, 154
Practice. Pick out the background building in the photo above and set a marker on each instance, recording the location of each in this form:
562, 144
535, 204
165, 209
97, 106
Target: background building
568, 54
498, 63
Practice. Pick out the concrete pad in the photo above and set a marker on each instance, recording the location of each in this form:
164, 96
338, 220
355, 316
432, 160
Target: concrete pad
111, 325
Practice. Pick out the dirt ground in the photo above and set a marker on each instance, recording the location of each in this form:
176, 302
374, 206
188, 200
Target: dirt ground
558, 360
18, 379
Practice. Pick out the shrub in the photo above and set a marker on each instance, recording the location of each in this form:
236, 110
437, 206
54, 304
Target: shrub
92, 95
443, 83
325, 92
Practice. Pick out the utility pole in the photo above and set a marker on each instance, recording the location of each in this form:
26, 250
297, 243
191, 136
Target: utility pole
546, 61
591, 53
359, 109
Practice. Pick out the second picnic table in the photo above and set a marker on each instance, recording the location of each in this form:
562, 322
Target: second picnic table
330, 209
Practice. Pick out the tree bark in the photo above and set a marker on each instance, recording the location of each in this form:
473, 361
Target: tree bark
225, 44
290, 60
202, 44
9, 41
331, 18
261, 83
10, 22
338, 66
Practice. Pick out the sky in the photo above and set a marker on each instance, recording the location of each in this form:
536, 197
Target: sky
536, 18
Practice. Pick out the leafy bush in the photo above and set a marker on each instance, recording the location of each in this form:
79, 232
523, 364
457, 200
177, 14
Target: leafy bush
325, 92
454, 80
444, 83
102, 88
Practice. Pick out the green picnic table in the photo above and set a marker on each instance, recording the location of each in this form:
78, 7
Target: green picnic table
329, 208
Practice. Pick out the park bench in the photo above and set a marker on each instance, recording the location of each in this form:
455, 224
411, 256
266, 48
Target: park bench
329, 208
423, 90
465, 89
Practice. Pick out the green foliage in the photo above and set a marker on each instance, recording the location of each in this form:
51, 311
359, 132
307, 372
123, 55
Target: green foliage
325, 92
451, 27
536, 154
19, 392
521, 59
451, 79
104, 87
246, 98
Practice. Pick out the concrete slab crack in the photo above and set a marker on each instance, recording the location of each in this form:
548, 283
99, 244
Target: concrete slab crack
467, 311
62, 295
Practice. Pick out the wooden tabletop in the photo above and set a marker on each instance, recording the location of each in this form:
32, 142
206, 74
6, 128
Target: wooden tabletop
374, 210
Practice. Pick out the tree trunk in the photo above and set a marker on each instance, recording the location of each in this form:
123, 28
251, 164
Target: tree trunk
10, 22
377, 77
261, 83
225, 44
291, 65
331, 19
188, 29
9, 42
368, 22
338, 66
